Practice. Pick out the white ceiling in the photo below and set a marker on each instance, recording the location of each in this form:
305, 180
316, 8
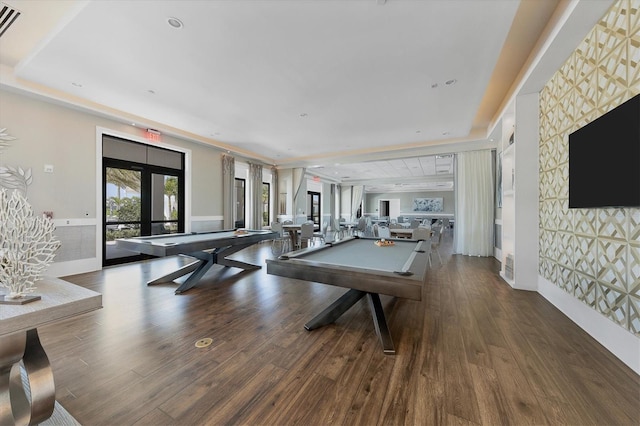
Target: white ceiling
302, 83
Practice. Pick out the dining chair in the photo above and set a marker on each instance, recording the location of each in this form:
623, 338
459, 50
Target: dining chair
421, 233
338, 230
306, 234
322, 235
384, 232
282, 243
362, 226
436, 239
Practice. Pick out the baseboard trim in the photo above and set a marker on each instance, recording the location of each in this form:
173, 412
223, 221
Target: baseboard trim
620, 342
72, 267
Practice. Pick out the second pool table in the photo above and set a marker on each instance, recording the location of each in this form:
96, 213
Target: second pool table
363, 267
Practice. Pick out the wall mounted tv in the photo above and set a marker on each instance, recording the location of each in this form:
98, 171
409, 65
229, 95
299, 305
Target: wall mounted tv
604, 160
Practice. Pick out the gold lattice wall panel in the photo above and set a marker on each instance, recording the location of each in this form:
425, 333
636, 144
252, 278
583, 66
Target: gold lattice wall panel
592, 254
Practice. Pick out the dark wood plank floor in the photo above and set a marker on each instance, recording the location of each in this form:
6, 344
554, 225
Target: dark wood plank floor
473, 351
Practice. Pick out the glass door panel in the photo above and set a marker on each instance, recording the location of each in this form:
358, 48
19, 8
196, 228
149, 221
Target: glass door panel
165, 209
266, 202
240, 203
313, 206
123, 208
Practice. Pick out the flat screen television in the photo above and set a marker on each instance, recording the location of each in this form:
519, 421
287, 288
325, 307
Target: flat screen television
604, 160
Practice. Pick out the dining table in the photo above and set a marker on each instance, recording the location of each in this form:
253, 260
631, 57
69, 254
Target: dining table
294, 228
349, 226
403, 232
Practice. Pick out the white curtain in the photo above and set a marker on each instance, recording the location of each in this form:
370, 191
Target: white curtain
228, 190
356, 198
299, 195
473, 231
275, 190
255, 191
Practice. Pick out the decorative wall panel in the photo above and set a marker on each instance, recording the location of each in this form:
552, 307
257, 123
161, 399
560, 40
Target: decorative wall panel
592, 254
78, 242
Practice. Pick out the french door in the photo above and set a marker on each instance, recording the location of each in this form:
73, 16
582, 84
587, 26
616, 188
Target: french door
241, 202
313, 206
139, 200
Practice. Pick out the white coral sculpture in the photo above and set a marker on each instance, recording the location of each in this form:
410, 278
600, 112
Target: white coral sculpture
5, 138
13, 177
27, 244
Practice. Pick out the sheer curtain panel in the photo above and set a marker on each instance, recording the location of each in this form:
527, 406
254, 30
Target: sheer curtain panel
473, 233
356, 198
275, 191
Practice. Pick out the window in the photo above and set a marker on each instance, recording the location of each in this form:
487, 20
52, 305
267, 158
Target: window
240, 203
266, 201
313, 206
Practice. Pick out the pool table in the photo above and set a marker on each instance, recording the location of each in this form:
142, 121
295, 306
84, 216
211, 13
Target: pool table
207, 248
363, 267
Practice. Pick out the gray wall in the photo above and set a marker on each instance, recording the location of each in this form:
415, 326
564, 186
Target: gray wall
65, 138
406, 200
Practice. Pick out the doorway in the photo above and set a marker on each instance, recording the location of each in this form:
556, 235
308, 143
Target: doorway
383, 209
313, 206
389, 208
139, 198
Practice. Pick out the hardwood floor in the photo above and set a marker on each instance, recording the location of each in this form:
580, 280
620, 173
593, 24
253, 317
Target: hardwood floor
473, 351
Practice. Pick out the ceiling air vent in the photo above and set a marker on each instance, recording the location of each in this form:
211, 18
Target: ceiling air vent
8, 16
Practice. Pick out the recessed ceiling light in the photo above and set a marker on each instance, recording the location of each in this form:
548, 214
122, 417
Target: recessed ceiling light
418, 131
451, 82
304, 114
151, 91
175, 22
434, 85
445, 133
76, 84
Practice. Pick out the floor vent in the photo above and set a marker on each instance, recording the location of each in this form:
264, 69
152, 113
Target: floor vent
8, 16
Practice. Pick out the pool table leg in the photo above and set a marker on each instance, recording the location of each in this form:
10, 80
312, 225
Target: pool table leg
206, 259
223, 252
197, 269
342, 305
380, 322
177, 273
337, 308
